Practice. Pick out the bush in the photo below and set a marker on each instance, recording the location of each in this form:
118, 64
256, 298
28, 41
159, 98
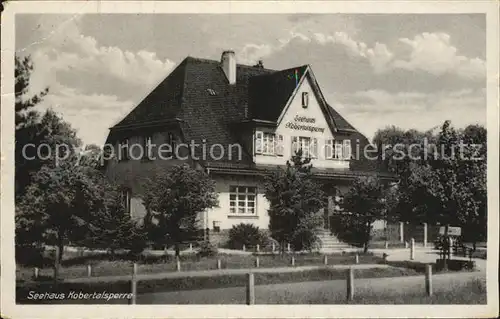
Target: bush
245, 234
207, 249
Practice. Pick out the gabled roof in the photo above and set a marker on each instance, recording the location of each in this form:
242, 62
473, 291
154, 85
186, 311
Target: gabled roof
197, 96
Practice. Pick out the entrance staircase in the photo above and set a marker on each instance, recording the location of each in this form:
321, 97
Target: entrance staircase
330, 243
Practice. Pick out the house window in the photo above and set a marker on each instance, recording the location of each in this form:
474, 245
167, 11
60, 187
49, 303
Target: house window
173, 145
338, 150
268, 143
124, 150
216, 226
305, 99
125, 198
347, 150
309, 146
146, 154
242, 200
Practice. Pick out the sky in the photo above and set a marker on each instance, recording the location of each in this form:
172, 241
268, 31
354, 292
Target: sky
408, 70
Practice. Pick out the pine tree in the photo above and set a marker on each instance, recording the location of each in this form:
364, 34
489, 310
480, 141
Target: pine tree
295, 200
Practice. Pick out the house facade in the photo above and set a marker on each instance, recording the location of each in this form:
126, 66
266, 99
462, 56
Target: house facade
238, 123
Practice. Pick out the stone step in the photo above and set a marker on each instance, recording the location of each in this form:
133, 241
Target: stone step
331, 242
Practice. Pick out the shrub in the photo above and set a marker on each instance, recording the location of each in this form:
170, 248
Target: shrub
245, 234
207, 249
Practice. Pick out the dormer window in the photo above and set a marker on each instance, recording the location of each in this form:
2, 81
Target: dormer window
147, 147
267, 143
123, 150
305, 99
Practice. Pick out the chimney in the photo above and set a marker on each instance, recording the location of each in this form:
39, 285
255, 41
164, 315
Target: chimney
228, 62
259, 64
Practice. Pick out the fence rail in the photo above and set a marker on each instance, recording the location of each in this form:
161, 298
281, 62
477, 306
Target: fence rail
250, 285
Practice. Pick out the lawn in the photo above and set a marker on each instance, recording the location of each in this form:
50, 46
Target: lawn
471, 292
74, 269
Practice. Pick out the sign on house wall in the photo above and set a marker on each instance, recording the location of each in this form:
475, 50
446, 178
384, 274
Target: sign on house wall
304, 123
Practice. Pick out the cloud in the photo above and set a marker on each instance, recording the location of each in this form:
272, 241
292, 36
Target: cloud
79, 55
433, 53
92, 86
374, 109
90, 114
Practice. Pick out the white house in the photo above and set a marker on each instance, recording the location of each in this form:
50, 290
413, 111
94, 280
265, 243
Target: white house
247, 121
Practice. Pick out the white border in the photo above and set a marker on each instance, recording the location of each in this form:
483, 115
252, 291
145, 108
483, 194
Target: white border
7, 279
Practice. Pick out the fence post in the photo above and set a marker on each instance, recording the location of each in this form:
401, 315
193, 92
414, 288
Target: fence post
293, 261
428, 280
288, 247
357, 259
274, 247
406, 244
258, 248
190, 247
56, 264
250, 289
219, 266
386, 244
257, 262
133, 285
178, 264
350, 284
401, 232
412, 249
89, 270
244, 248
35, 273
425, 235
325, 260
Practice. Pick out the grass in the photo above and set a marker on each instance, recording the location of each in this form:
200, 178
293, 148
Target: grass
470, 292
198, 283
100, 267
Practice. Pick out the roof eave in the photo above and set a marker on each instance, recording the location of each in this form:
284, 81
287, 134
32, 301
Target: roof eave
146, 124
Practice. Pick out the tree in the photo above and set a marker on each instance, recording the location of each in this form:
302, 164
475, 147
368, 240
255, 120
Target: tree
472, 199
295, 200
442, 182
363, 204
37, 136
24, 104
60, 205
115, 229
174, 198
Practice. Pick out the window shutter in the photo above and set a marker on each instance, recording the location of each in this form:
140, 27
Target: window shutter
258, 142
295, 145
314, 148
280, 145
347, 150
329, 149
